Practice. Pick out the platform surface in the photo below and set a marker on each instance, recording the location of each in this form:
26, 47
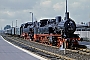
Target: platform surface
9, 52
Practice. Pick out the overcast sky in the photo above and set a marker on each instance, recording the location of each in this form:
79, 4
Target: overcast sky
12, 10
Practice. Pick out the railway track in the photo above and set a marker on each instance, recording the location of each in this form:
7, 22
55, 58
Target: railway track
50, 52
81, 51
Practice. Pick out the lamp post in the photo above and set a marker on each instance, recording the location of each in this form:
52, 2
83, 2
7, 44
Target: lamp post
12, 23
16, 23
32, 16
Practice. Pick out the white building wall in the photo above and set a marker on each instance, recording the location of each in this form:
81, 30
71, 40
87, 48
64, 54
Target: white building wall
83, 34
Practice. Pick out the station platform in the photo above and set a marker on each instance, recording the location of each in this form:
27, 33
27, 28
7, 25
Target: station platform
9, 51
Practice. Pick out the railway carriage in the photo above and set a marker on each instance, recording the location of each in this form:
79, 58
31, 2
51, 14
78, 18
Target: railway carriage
17, 31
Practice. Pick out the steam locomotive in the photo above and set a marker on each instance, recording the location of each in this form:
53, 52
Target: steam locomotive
49, 31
